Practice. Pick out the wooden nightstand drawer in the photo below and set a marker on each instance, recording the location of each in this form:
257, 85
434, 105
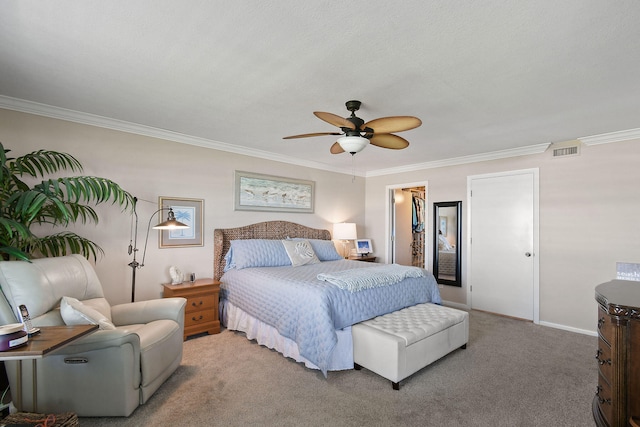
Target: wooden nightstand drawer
200, 302
199, 318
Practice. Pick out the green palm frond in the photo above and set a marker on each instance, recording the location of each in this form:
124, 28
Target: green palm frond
8, 253
63, 243
12, 231
44, 162
83, 189
54, 201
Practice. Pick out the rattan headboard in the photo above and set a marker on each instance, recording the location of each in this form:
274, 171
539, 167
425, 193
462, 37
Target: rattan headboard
262, 230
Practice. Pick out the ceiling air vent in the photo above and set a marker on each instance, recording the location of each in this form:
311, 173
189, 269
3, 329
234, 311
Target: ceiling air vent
566, 151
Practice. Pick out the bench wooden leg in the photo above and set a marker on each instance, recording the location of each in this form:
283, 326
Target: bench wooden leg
464, 347
396, 386
356, 366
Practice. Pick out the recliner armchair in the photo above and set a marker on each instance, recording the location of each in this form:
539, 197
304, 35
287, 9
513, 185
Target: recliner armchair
124, 366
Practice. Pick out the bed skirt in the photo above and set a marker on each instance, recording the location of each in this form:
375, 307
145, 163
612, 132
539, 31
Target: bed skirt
236, 319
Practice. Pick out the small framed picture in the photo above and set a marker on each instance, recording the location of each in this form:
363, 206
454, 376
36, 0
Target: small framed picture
187, 211
363, 246
443, 225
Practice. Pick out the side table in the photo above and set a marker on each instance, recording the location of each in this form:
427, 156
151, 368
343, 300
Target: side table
201, 311
50, 339
365, 258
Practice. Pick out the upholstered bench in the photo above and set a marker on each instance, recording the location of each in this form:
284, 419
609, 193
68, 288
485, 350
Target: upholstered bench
401, 343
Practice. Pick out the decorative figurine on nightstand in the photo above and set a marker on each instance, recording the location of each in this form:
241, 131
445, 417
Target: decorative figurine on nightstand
176, 275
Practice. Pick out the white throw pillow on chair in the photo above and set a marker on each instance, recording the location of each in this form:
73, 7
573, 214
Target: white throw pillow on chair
74, 312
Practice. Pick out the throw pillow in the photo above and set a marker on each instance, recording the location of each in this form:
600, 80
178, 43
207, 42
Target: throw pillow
300, 252
325, 249
74, 312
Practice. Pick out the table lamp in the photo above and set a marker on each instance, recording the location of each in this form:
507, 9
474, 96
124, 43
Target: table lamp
345, 231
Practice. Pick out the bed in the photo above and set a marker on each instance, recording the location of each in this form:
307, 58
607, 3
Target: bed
288, 308
447, 258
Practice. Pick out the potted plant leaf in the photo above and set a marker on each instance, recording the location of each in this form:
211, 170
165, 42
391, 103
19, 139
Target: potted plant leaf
57, 202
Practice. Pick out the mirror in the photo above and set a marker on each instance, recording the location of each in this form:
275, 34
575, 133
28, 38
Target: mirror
447, 226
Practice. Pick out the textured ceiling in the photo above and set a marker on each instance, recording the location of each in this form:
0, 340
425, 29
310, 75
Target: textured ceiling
483, 76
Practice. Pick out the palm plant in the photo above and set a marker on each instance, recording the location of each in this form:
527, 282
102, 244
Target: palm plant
54, 201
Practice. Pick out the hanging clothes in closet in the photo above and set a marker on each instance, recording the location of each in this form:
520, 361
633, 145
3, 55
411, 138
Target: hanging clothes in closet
418, 213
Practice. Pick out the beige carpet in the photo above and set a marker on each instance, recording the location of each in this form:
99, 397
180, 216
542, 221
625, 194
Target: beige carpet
513, 373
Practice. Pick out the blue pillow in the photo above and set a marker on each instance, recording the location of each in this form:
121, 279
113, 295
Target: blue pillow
245, 253
324, 249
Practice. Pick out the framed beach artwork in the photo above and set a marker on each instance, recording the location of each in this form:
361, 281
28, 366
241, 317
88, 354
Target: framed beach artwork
187, 211
257, 192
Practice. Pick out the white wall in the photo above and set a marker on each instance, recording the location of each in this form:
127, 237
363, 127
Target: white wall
589, 219
149, 168
589, 206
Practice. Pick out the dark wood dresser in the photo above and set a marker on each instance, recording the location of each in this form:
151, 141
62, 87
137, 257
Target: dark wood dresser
617, 400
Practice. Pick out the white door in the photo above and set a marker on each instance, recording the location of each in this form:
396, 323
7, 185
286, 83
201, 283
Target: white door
503, 243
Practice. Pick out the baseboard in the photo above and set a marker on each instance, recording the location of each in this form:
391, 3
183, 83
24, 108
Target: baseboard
542, 323
569, 328
457, 305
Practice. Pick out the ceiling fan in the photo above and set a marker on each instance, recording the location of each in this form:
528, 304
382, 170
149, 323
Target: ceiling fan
358, 134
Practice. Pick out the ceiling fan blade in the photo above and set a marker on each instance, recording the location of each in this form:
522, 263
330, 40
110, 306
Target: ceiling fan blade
393, 124
336, 148
335, 120
387, 140
308, 135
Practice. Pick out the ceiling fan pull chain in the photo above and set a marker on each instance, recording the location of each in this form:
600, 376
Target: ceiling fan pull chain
353, 168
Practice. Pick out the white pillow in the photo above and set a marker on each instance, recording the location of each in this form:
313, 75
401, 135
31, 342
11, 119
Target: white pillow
74, 312
300, 252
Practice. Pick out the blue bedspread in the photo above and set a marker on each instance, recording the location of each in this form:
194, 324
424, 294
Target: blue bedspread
308, 311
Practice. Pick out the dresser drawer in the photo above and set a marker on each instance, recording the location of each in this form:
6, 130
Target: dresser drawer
199, 317
200, 302
603, 355
605, 325
605, 399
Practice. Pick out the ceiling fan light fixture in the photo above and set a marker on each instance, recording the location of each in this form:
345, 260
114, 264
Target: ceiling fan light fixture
353, 144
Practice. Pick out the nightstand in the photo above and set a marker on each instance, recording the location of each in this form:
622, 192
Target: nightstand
201, 311
366, 258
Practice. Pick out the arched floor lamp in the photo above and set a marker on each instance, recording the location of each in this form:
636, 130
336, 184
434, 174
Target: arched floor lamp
170, 224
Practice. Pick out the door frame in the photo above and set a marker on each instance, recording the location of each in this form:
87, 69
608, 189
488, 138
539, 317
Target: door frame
536, 234
389, 218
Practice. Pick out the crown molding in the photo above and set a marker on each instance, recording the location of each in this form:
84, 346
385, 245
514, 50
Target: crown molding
124, 126
605, 138
483, 157
121, 125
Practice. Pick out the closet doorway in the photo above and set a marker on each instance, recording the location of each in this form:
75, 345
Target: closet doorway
407, 224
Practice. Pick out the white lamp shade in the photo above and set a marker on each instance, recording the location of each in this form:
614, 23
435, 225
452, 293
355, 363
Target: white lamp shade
353, 144
345, 231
